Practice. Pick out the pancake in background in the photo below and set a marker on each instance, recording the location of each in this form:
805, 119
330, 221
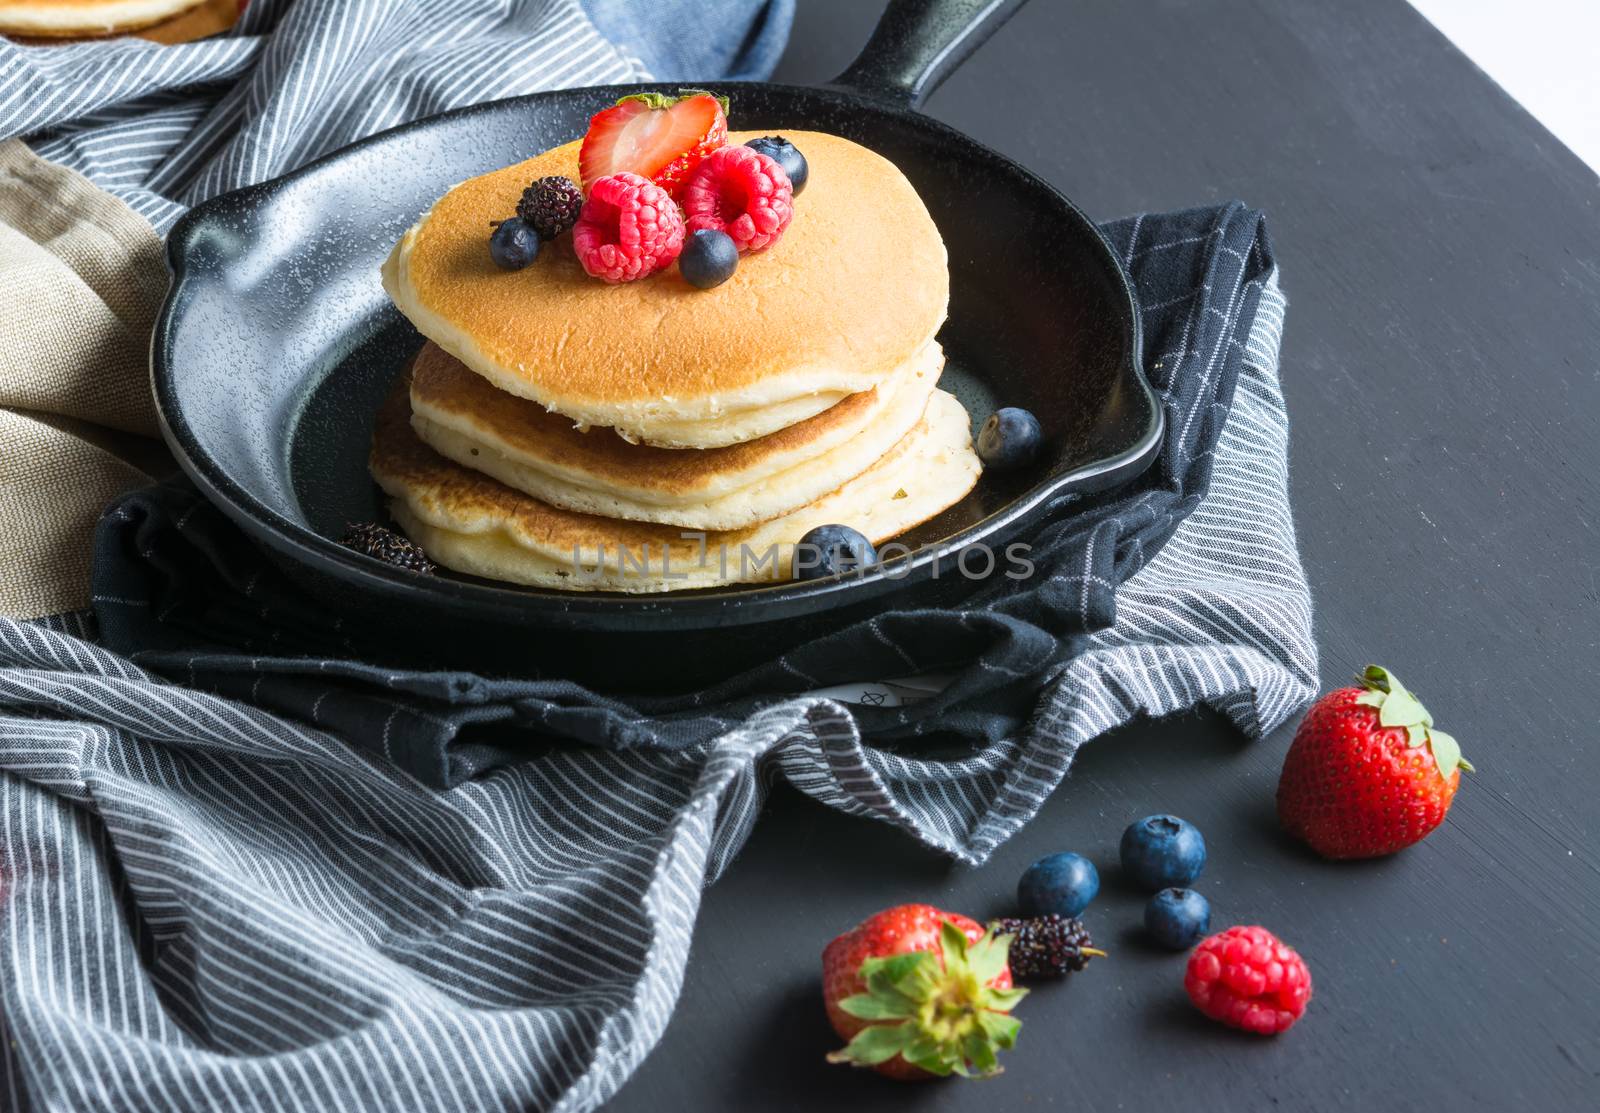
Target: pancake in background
468, 522
856, 286
540, 453
73, 18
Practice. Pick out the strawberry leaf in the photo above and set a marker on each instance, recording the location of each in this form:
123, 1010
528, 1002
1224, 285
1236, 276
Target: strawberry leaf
1416, 735
979, 1051
1401, 709
1002, 1029
868, 1007
685, 94
1446, 753
877, 1043
988, 957
1003, 1000
887, 974
1375, 678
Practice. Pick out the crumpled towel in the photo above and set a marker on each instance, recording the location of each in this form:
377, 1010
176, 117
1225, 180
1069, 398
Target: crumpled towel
81, 278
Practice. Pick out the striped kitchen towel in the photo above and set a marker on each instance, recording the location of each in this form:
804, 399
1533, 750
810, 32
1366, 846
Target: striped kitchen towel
165, 127
206, 905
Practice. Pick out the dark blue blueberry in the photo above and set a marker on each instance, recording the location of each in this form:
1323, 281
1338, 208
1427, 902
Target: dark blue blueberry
709, 258
1162, 850
1062, 883
513, 244
786, 155
1010, 438
829, 550
1177, 918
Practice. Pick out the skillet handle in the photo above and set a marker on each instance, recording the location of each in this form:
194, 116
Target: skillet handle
918, 43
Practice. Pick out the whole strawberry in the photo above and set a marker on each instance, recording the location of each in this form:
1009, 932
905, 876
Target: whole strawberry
1367, 773
920, 993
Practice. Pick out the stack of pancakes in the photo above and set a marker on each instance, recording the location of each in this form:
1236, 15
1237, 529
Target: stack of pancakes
561, 432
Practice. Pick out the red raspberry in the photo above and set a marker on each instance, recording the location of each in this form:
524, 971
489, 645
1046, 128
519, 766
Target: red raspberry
629, 228
741, 192
1248, 978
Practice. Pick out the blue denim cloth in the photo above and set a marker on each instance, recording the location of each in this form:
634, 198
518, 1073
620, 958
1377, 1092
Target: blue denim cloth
698, 40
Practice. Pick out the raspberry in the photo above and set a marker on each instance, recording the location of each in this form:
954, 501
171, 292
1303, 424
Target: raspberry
629, 228
1247, 978
741, 192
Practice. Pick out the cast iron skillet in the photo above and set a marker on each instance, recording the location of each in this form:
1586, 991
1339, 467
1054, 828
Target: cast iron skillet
276, 342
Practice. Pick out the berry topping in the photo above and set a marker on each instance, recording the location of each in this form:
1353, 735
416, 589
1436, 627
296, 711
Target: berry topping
1046, 946
786, 155
513, 244
830, 550
920, 992
629, 228
1247, 978
1162, 850
373, 540
1367, 773
1175, 918
741, 192
658, 137
1063, 884
1010, 438
709, 258
551, 205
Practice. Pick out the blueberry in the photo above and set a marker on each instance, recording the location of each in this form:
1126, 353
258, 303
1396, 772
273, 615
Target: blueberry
1162, 850
1061, 883
513, 244
709, 258
1177, 918
786, 155
1009, 438
829, 550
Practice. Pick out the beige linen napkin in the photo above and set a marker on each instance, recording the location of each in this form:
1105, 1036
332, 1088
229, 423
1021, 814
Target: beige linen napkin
81, 277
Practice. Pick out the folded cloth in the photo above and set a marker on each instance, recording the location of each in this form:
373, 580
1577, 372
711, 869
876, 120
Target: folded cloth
211, 905
163, 127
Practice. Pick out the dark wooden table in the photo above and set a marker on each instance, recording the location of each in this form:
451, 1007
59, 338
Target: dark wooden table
1441, 254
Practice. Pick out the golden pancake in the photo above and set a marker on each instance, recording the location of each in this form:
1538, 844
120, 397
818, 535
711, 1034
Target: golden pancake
67, 18
473, 524
539, 453
855, 287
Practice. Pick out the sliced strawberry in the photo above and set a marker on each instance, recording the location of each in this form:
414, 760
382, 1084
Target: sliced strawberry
658, 137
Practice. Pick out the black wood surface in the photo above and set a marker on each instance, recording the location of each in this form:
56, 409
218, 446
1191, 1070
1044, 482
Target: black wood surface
1441, 254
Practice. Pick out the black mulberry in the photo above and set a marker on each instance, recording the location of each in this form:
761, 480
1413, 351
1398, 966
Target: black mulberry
1046, 946
373, 540
551, 205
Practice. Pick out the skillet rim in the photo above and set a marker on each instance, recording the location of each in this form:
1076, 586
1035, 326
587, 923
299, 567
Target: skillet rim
709, 607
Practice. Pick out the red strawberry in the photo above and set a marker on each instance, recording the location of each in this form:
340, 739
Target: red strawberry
920, 993
658, 137
1367, 774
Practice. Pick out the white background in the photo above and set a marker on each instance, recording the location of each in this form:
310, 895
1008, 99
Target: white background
1545, 53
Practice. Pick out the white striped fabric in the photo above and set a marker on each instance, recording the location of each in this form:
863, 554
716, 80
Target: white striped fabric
204, 906
165, 127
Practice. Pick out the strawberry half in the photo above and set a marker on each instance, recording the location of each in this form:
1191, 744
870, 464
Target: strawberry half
658, 137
